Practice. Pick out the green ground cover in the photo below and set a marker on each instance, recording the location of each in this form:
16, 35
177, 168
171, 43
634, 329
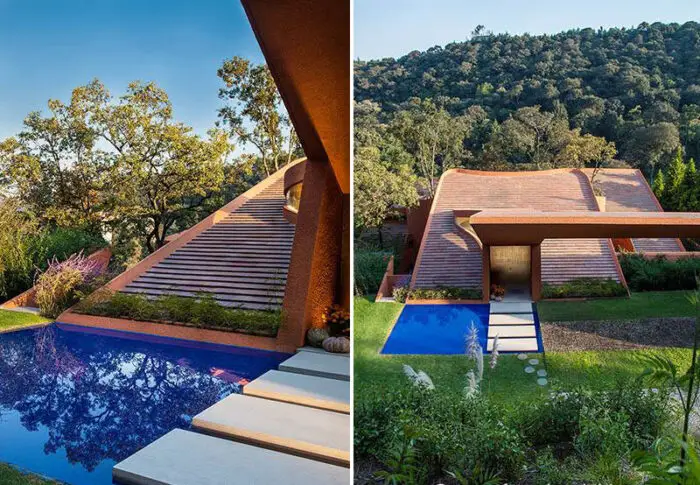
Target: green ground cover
10, 319
12, 476
640, 305
600, 369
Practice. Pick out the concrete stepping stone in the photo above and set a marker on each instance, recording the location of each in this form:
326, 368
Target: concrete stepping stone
542, 381
534, 361
317, 392
514, 344
510, 307
511, 319
522, 356
187, 458
318, 364
529, 370
314, 433
512, 331
542, 373
319, 350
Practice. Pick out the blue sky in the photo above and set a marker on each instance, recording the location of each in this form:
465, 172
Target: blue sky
391, 28
48, 47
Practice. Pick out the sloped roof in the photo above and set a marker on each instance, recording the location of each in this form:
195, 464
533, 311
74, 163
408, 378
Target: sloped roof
239, 255
626, 190
450, 257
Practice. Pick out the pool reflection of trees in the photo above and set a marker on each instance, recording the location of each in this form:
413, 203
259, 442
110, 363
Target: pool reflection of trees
99, 403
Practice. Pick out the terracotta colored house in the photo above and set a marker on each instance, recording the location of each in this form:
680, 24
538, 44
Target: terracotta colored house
284, 244
526, 229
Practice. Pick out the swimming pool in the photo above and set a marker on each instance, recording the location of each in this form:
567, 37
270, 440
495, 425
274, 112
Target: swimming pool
74, 403
436, 329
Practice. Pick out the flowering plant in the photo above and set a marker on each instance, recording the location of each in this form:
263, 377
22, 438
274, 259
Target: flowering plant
338, 320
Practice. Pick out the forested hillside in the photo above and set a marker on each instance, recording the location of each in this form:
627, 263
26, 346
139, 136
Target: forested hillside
579, 98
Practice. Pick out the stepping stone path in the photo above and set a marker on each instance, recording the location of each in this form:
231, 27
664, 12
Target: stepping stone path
530, 368
289, 426
514, 323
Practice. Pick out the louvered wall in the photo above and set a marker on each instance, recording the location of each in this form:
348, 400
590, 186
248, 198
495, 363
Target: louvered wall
242, 260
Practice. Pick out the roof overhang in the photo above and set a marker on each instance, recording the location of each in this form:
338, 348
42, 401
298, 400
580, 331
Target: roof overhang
306, 44
521, 227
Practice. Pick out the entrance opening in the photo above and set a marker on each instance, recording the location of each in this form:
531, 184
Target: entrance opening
511, 269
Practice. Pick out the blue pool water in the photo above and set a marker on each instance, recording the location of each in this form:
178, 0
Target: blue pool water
73, 404
436, 329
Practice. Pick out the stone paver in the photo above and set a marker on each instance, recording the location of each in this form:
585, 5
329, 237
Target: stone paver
186, 458
514, 344
319, 392
510, 307
318, 364
505, 331
314, 433
511, 319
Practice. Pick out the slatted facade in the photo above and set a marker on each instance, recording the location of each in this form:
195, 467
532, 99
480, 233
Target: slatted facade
626, 190
449, 257
242, 260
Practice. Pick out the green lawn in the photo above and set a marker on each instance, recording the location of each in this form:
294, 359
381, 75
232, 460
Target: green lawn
375, 373
12, 476
10, 319
639, 305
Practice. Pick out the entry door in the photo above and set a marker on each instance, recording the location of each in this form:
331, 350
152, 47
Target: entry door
510, 265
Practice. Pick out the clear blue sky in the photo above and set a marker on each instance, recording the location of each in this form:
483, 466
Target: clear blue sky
48, 47
391, 28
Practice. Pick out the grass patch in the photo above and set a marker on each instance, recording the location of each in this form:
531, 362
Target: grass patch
376, 373
10, 319
11, 476
651, 304
201, 312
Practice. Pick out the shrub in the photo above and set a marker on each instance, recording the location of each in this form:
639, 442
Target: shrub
588, 420
203, 312
453, 434
659, 274
400, 294
445, 293
370, 267
61, 243
17, 231
584, 288
57, 288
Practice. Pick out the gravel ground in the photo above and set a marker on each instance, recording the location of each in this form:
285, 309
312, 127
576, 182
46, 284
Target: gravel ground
617, 334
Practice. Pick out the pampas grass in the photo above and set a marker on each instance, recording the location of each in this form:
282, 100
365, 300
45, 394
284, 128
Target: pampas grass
472, 387
418, 379
494, 353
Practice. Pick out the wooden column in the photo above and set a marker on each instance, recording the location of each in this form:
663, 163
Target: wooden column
536, 271
315, 266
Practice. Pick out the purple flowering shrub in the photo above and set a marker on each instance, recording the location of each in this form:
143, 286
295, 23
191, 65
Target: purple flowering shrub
59, 286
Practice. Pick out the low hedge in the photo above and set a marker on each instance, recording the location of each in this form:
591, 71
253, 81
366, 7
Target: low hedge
402, 293
201, 312
584, 288
659, 274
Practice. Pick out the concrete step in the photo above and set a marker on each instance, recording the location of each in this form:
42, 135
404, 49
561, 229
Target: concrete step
312, 391
514, 344
319, 350
510, 307
313, 433
187, 458
512, 319
318, 364
506, 331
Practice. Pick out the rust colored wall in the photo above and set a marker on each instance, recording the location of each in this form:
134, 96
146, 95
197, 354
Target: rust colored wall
317, 255
385, 288
417, 218
536, 272
486, 274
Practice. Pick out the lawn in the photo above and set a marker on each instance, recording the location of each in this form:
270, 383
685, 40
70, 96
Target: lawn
640, 305
12, 476
375, 373
11, 319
